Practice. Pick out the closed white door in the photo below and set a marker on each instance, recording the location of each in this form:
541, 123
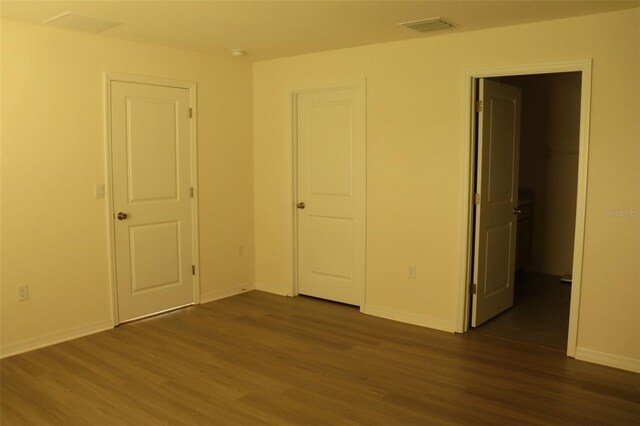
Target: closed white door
497, 183
331, 171
151, 175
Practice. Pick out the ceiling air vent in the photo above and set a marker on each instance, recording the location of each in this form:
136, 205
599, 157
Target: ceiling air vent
73, 21
426, 25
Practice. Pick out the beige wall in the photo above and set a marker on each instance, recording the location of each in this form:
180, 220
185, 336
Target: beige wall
54, 233
416, 117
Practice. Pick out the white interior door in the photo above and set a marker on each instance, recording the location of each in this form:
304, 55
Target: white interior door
330, 134
497, 186
151, 177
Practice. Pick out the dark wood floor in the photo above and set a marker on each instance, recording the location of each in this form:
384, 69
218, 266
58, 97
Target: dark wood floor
540, 312
262, 359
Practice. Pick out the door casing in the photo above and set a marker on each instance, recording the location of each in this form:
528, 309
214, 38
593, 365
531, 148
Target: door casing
110, 77
468, 163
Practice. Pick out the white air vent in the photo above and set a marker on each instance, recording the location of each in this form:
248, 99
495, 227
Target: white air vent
426, 25
73, 21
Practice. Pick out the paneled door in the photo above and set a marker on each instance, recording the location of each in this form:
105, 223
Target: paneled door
331, 171
497, 199
151, 176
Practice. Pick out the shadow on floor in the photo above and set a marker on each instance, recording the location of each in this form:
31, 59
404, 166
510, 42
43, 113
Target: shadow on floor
540, 313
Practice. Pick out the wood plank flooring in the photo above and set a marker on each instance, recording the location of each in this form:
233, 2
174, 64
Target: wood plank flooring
258, 359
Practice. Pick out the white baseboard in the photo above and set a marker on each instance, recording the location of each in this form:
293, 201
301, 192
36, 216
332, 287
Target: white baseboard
269, 288
49, 339
610, 360
421, 320
224, 293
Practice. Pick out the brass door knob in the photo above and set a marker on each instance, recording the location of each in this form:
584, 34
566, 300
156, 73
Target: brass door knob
121, 216
516, 210
300, 205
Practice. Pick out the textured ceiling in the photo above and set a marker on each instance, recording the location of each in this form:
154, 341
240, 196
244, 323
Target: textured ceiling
271, 29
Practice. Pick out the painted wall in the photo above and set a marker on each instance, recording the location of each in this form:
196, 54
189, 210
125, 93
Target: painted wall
54, 233
416, 146
550, 131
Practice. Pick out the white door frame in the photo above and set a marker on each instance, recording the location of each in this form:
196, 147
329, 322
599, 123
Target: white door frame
468, 164
110, 77
292, 104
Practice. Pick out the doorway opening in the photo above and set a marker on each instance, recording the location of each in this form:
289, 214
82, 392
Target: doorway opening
546, 207
547, 229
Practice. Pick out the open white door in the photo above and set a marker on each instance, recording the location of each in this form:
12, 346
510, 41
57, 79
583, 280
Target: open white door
496, 199
330, 135
151, 173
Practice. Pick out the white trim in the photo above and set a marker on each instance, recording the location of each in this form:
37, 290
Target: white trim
109, 202
581, 208
421, 320
583, 66
224, 293
192, 87
291, 101
466, 199
275, 289
610, 360
156, 81
195, 224
55, 337
291, 128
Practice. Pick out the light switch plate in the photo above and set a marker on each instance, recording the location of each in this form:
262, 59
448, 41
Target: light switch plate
98, 191
411, 273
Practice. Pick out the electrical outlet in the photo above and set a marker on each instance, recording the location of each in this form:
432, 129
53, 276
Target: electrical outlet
23, 293
411, 273
240, 250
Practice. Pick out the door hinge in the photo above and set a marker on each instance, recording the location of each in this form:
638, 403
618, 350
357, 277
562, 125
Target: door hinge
193, 269
474, 288
190, 112
478, 106
476, 198
191, 191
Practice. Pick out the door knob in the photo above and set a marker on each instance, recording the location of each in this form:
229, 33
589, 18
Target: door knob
300, 205
121, 216
516, 210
